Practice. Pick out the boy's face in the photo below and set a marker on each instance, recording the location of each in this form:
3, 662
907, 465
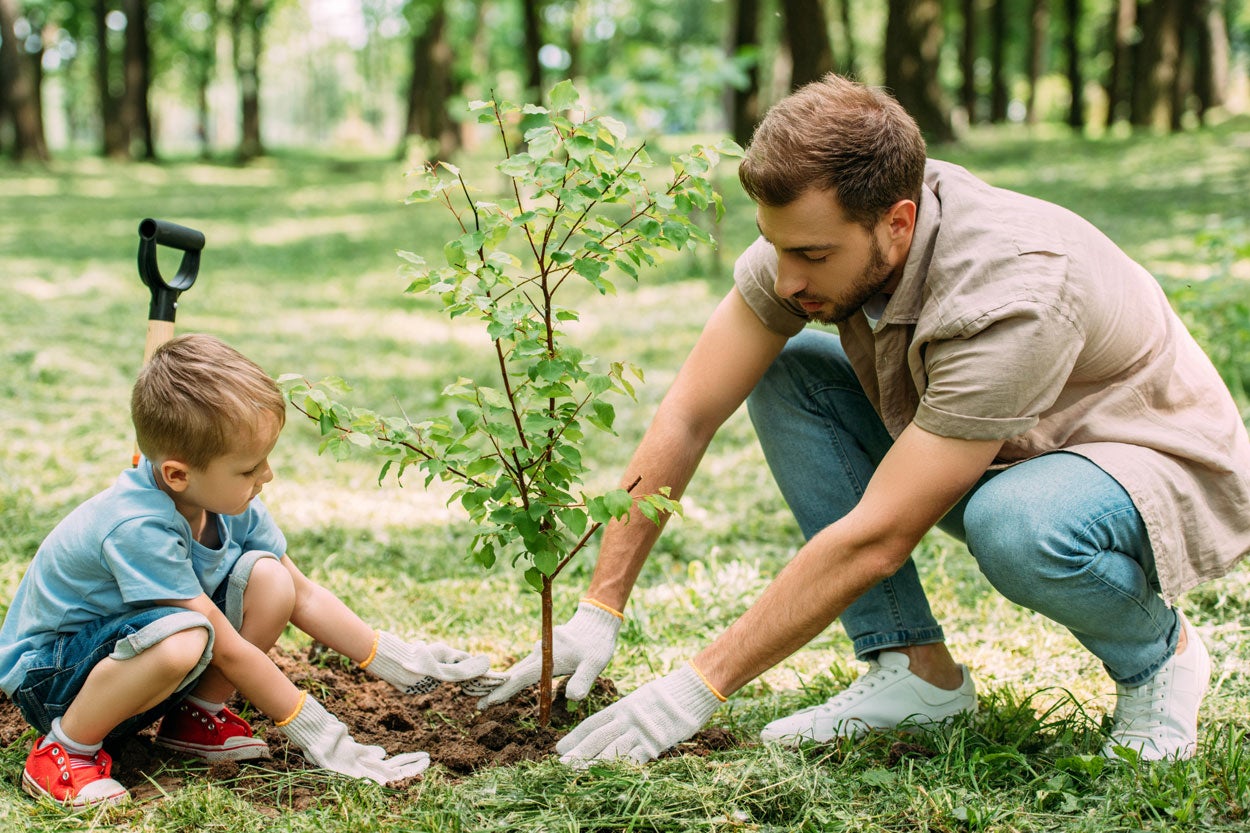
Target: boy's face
228, 484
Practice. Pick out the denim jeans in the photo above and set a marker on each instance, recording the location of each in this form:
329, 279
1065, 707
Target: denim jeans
58, 675
1054, 534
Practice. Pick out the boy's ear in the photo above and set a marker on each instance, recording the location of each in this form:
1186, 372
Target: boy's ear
176, 474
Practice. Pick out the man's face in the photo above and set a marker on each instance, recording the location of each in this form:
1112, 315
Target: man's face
825, 263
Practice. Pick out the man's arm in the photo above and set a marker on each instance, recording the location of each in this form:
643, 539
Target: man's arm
725, 364
919, 480
921, 477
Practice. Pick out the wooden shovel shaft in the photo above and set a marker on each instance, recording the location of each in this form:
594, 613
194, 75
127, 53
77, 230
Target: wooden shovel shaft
159, 332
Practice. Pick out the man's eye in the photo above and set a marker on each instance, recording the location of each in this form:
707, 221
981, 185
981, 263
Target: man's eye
812, 259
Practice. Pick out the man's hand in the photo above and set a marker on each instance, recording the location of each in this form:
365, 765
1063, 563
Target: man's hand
583, 647
416, 667
657, 716
325, 741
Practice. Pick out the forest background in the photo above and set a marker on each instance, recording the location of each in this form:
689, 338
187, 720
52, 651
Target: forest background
283, 130
146, 78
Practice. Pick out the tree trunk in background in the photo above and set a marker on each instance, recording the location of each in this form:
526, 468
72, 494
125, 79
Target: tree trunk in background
19, 93
1039, 22
968, 59
1212, 56
807, 31
850, 60
577, 39
115, 138
137, 70
913, 38
999, 96
1154, 70
1183, 77
432, 85
247, 20
1123, 22
744, 104
532, 13
1076, 81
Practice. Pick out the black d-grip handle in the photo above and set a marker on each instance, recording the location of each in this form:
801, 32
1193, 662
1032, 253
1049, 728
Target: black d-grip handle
153, 233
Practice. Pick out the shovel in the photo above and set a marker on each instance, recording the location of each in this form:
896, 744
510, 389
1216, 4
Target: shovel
164, 306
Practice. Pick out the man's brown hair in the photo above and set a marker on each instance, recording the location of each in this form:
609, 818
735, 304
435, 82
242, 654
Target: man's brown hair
839, 135
197, 397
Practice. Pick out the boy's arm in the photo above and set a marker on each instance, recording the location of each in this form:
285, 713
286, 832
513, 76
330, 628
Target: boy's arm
243, 664
323, 738
413, 667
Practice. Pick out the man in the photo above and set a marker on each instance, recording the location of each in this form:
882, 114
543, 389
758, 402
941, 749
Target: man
1001, 370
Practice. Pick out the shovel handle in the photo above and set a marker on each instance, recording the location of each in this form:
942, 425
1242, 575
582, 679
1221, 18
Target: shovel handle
159, 332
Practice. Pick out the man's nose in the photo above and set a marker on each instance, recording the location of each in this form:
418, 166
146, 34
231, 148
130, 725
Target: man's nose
790, 281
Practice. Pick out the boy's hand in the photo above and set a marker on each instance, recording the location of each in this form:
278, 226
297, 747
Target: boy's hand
416, 667
325, 741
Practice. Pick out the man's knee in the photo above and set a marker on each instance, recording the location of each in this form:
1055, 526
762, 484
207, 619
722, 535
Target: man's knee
808, 360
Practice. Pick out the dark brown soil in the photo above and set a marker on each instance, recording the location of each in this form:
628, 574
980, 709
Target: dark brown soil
445, 723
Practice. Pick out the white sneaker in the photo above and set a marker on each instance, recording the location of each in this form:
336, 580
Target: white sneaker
885, 697
1159, 719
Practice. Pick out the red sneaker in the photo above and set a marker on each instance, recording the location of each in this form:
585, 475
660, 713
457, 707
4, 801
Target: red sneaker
73, 780
213, 737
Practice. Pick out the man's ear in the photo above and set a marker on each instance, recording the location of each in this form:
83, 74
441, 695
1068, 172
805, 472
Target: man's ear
900, 226
176, 474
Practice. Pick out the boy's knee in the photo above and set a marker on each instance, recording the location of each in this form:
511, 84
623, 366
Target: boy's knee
271, 580
182, 652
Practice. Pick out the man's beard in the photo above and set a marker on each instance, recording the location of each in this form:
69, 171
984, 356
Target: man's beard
874, 278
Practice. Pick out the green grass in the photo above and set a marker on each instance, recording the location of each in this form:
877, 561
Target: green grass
300, 273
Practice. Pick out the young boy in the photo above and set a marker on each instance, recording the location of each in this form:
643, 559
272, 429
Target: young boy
159, 597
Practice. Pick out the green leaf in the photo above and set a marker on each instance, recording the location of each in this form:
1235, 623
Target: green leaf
618, 503
579, 148
602, 415
563, 96
518, 164
575, 520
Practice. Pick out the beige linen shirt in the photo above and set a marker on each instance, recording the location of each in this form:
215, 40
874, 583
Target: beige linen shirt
1017, 320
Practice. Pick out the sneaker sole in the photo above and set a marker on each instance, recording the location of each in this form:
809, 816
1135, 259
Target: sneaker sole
32, 788
248, 752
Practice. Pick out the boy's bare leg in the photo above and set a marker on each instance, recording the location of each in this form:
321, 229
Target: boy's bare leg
268, 602
118, 689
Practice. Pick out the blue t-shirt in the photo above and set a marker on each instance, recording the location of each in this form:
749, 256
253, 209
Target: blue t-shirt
120, 551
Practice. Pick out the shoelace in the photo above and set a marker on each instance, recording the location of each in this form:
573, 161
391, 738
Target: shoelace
1138, 710
857, 690
63, 756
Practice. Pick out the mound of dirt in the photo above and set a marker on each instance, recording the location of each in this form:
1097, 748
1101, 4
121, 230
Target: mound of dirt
445, 723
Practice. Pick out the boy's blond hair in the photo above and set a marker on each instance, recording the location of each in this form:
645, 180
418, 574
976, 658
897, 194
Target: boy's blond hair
196, 398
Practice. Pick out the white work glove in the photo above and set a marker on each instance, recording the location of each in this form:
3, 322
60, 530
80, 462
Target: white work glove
325, 741
582, 647
657, 716
416, 667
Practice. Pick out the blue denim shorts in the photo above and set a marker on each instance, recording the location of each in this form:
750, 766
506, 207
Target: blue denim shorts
58, 674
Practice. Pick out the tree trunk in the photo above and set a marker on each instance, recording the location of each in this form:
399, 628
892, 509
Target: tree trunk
1039, 22
1212, 56
1123, 22
547, 666
247, 21
1076, 81
532, 14
19, 92
744, 104
968, 59
432, 85
137, 70
850, 60
807, 32
913, 38
1154, 72
999, 96
114, 135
